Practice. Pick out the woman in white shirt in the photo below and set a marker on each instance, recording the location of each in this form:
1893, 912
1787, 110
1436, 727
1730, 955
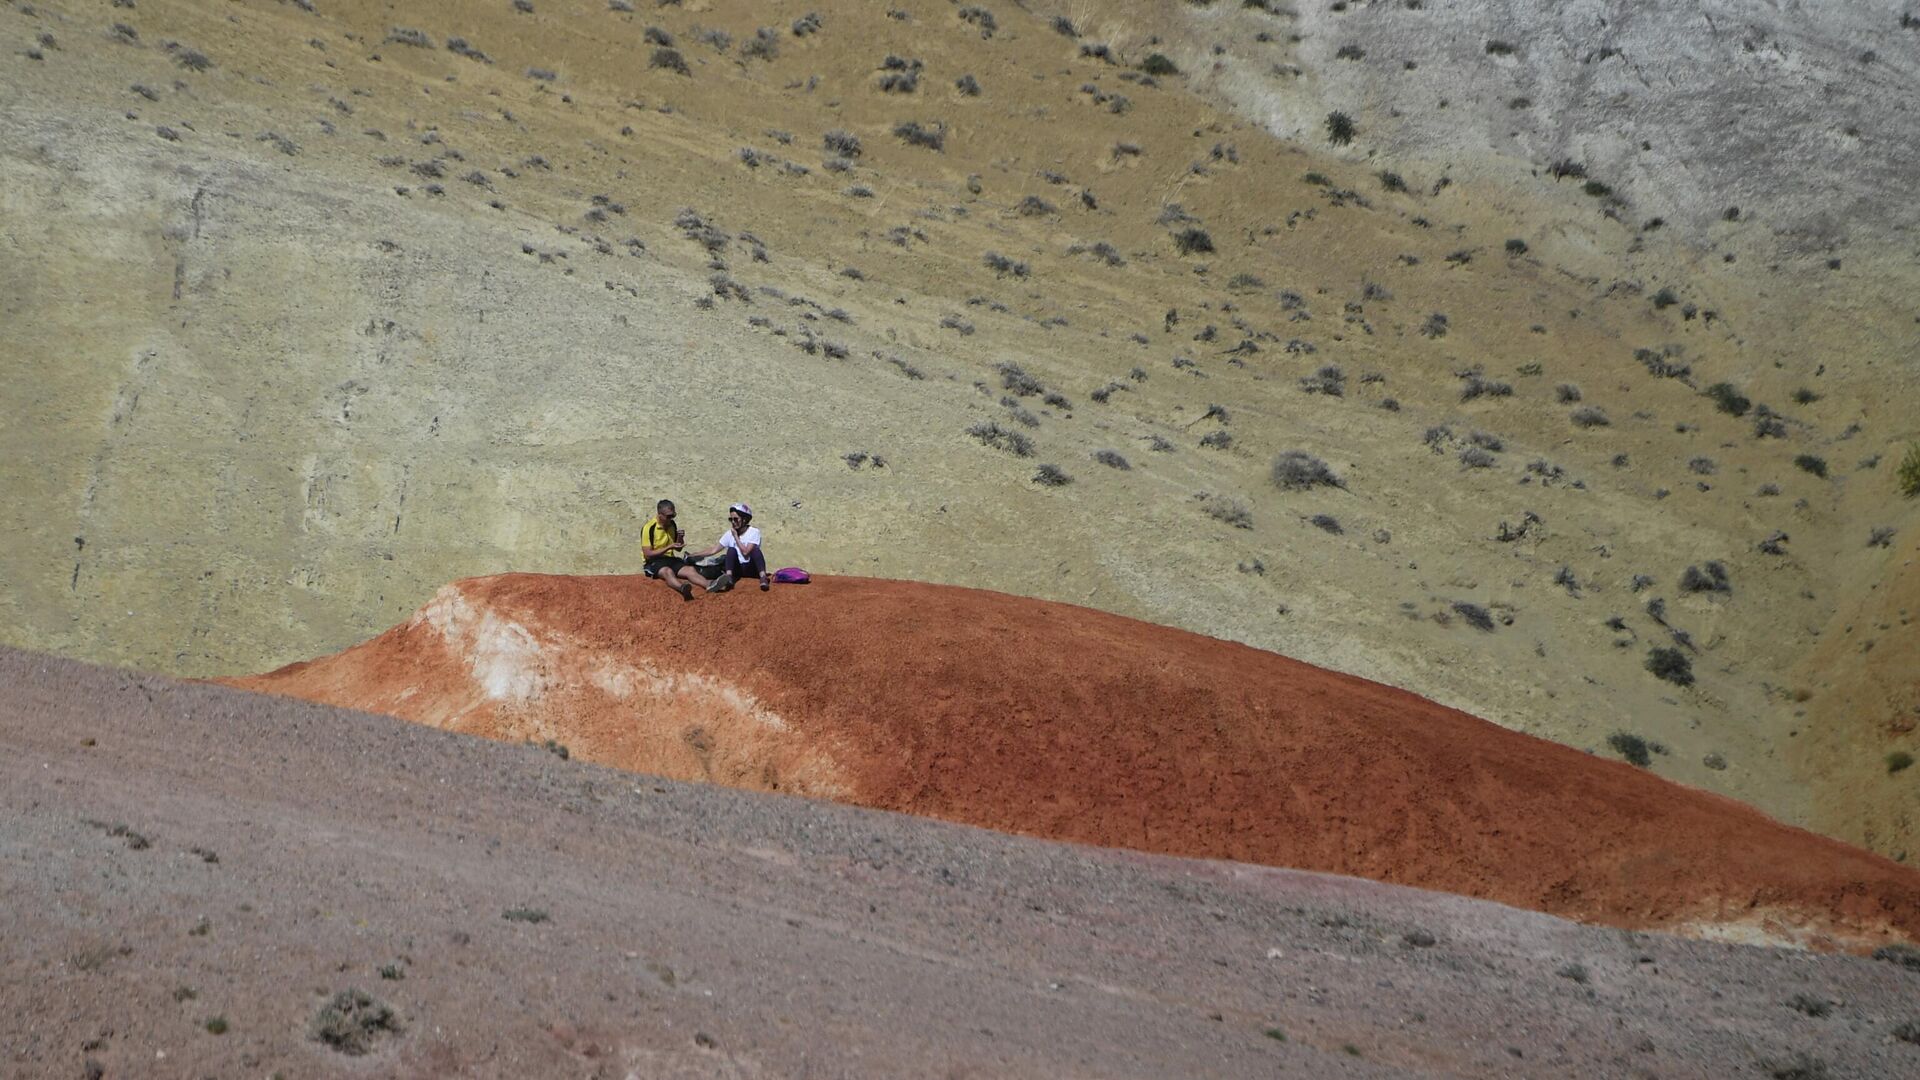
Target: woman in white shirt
741, 542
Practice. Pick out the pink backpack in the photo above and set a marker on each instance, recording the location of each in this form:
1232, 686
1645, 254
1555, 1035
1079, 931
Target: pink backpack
791, 575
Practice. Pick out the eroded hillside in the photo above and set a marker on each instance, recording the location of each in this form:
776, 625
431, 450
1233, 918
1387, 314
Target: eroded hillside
977, 707
312, 307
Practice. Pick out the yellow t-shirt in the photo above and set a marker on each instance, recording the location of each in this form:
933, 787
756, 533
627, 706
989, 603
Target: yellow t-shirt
660, 538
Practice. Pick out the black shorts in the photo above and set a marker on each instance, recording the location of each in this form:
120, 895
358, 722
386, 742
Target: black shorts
664, 562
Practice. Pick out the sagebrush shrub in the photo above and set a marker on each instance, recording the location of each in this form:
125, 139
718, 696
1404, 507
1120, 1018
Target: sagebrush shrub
1297, 470
1193, 241
1632, 748
1712, 578
1015, 378
1232, 511
1728, 399
1475, 616
1329, 380
1475, 386
914, 133
990, 433
1670, 664
1002, 266
841, 143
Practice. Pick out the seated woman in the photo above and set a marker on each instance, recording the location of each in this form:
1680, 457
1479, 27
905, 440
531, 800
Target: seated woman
741, 542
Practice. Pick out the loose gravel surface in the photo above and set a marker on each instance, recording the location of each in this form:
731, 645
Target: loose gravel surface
199, 881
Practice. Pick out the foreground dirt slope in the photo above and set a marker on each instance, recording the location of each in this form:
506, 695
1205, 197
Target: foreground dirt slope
289, 852
1074, 724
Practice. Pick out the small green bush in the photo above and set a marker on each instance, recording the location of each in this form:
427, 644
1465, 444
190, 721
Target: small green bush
1193, 241
1907, 476
1631, 748
1340, 128
350, 1022
1728, 399
1898, 760
1899, 953
1158, 64
1671, 665
1815, 465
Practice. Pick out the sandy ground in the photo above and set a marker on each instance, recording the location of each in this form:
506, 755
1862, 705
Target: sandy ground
177, 854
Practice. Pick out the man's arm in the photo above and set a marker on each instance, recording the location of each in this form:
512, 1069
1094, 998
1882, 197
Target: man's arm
653, 552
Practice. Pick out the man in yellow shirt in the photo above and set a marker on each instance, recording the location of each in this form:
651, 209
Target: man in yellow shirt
664, 546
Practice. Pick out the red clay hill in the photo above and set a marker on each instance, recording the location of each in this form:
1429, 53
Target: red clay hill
1056, 721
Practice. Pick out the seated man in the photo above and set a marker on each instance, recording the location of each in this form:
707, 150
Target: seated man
663, 545
741, 542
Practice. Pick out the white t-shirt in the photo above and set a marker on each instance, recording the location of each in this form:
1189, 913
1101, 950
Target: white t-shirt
750, 536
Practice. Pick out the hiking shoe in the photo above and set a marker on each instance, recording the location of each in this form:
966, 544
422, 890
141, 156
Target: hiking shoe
721, 583
765, 583
685, 590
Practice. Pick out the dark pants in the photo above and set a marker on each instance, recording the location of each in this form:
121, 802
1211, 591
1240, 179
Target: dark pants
754, 565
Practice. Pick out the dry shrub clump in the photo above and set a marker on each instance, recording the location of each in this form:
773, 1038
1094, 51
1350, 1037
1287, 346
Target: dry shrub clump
1297, 470
990, 433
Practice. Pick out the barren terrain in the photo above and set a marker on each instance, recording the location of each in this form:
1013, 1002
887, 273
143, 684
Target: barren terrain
193, 874
1499, 409
1073, 724
312, 308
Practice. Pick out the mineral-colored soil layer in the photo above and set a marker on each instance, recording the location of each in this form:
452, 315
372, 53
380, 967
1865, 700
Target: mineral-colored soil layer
1062, 722
190, 876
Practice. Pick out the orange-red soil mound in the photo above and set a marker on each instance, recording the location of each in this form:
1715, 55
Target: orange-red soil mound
1057, 721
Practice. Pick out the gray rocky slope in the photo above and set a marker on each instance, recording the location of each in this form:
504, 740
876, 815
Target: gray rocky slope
194, 875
